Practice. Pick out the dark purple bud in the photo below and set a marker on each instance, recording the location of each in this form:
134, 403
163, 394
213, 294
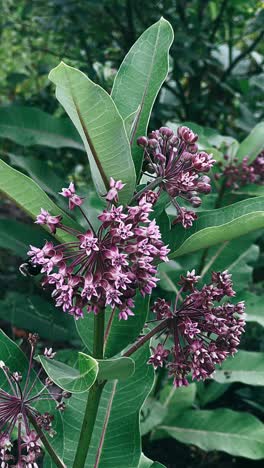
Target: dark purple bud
152, 143
166, 132
142, 141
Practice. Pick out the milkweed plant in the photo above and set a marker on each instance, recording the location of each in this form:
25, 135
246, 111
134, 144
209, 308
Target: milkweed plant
103, 272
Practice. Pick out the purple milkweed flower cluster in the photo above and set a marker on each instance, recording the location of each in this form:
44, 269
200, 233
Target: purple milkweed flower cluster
236, 174
202, 333
106, 268
180, 167
17, 409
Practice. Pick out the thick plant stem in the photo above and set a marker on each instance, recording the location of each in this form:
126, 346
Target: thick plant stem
94, 396
56, 459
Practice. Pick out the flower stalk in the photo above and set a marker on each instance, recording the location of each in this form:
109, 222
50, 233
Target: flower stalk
58, 462
94, 396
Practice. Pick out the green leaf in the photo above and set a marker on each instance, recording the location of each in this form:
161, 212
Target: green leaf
25, 193
254, 307
116, 437
37, 315
209, 391
30, 126
16, 360
238, 434
111, 369
130, 121
214, 227
177, 400
140, 78
253, 143
100, 126
41, 173
16, 236
122, 332
69, 378
246, 367
251, 190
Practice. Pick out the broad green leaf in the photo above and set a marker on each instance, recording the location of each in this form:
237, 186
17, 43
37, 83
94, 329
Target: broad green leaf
122, 332
25, 193
100, 126
111, 369
238, 434
246, 367
140, 78
69, 378
37, 315
214, 227
116, 437
253, 143
16, 236
254, 306
30, 126
209, 391
16, 360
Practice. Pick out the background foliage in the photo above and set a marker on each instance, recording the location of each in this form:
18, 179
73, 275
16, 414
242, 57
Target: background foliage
216, 80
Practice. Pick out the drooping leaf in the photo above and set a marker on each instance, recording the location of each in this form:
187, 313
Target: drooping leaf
16, 360
100, 126
69, 378
35, 314
140, 78
254, 306
238, 434
253, 143
152, 414
122, 332
16, 236
246, 367
25, 193
177, 400
30, 126
111, 369
41, 173
237, 257
209, 391
116, 437
214, 227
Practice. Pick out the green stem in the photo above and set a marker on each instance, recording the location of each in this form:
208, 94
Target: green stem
218, 204
94, 396
58, 462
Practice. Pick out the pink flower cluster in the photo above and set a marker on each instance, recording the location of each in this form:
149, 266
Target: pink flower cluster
236, 174
203, 334
17, 409
106, 268
180, 167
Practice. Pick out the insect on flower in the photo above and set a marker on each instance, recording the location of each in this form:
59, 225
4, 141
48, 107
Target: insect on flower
103, 268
